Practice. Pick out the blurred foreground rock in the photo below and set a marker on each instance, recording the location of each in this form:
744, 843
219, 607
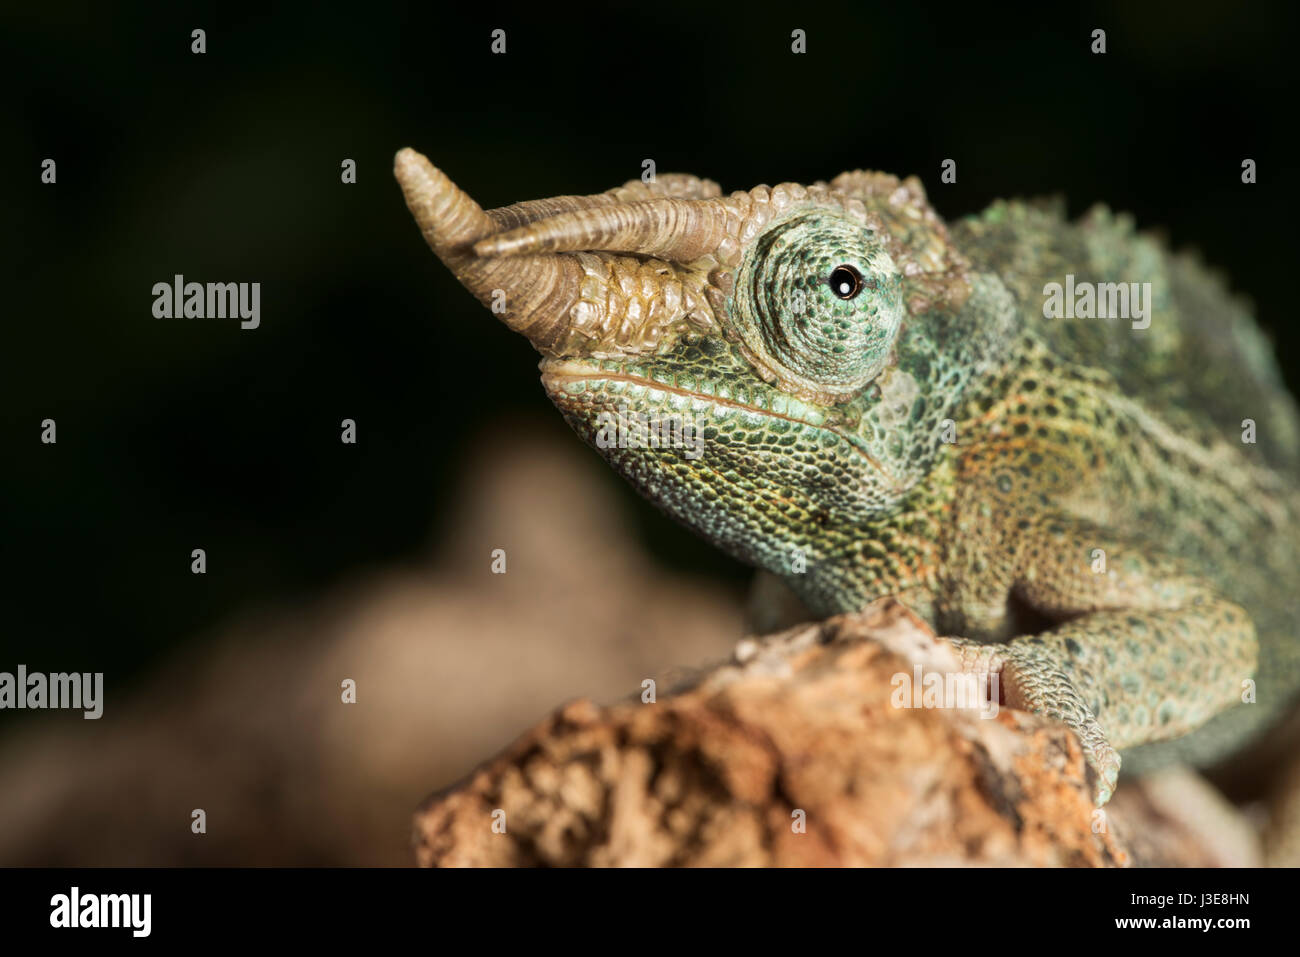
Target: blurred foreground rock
450, 662
799, 727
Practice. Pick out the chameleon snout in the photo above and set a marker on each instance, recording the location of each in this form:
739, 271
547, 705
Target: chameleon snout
616, 273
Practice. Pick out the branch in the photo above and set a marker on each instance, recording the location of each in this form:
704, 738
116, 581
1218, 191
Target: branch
793, 753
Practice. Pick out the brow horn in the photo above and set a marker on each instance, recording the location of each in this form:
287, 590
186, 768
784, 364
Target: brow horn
678, 230
671, 185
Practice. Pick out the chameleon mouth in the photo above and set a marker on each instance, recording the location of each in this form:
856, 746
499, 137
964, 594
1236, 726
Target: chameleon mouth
568, 377
565, 379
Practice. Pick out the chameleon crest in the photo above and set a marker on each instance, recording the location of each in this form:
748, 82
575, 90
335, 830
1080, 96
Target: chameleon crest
887, 408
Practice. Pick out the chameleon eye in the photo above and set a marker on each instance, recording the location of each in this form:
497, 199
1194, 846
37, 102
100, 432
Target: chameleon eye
817, 304
846, 282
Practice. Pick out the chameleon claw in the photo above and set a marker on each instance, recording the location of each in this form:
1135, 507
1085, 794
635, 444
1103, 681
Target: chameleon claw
1104, 763
1033, 680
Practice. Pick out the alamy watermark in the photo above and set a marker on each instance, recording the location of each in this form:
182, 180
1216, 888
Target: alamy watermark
626, 429
133, 912
179, 299
79, 691
1105, 300
967, 690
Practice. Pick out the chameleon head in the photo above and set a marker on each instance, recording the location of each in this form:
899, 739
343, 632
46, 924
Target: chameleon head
735, 358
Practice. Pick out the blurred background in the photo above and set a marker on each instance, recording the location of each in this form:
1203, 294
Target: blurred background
371, 561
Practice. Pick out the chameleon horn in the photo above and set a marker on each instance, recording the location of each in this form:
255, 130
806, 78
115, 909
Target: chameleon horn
678, 230
532, 294
448, 218
674, 185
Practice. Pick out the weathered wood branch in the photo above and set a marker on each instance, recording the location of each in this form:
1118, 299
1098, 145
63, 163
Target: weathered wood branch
796, 753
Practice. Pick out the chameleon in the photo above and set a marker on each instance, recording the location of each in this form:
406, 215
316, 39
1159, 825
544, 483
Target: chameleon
1101, 511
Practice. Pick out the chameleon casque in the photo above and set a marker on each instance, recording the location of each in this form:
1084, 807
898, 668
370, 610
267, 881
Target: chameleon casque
882, 395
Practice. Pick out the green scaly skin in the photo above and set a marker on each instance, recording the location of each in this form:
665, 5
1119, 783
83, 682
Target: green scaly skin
1070, 499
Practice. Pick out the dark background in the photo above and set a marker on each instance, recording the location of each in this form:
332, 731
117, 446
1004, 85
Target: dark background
225, 167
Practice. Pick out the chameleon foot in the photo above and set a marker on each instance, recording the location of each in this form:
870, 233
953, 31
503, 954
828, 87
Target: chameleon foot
1032, 680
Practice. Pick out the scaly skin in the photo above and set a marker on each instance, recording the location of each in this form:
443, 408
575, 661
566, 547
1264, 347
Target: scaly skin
886, 411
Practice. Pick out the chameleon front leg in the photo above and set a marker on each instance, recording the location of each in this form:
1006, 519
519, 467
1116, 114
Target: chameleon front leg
1142, 652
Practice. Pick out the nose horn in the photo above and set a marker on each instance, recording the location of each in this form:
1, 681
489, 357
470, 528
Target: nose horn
532, 294
448, 218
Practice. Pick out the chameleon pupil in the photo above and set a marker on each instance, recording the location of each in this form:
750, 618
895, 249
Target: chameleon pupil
845, 282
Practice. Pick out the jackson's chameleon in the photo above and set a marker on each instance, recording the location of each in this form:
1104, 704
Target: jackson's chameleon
1102, 509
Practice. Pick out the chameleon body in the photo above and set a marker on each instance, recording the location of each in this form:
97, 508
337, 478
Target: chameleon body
1105, 512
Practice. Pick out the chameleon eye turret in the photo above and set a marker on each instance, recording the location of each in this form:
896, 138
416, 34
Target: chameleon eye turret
818, 302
